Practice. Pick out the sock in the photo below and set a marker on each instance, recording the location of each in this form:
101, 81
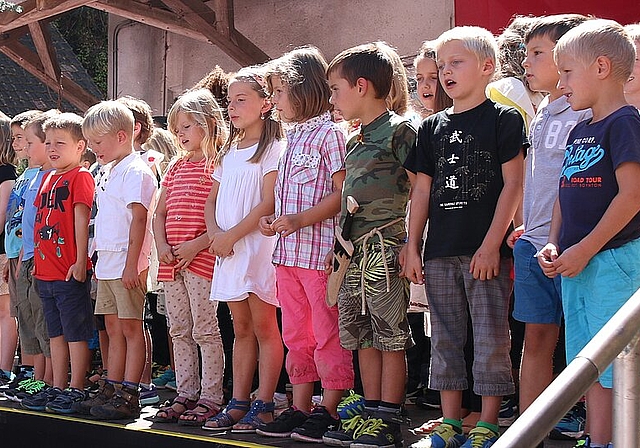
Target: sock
389, 408
131, 385
492, 427
371, 405
455, 424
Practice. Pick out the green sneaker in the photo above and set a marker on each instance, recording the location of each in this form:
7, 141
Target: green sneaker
480, 437
347, 433
444, 436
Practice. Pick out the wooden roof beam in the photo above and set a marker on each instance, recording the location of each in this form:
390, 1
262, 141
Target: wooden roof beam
36, 10
44, 47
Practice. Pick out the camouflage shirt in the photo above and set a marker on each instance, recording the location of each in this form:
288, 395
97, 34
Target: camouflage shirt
375, 176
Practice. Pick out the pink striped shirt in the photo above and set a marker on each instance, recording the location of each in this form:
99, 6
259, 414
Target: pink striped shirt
315, 151
187, 186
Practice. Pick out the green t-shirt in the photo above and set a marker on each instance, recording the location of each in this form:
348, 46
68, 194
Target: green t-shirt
375, 176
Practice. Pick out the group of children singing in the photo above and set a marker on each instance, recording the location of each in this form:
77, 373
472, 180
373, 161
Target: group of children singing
248, 213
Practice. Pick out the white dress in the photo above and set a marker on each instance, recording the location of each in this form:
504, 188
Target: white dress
249, 269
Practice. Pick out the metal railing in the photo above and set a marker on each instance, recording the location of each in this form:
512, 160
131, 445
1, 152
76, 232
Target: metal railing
617, 341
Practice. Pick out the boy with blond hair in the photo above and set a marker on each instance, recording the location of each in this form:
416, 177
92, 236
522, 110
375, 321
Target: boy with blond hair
632, 87
123, 246
594, 241
468, 184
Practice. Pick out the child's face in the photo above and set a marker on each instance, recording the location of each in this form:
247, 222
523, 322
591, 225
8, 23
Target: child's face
280, 99
427, 80
540, 69
189, 132
632, 87
344, 97
245, 105
576, 81
35, 147
110, 147
63, 150
461, 74
18, 141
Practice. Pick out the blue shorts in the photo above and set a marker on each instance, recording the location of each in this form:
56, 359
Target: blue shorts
592, 297
538, 298
67, 308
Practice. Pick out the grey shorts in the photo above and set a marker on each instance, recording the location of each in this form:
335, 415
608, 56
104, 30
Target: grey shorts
32, 328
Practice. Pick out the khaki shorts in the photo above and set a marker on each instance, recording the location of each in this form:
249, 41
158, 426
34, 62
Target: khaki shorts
4, 286
113, 298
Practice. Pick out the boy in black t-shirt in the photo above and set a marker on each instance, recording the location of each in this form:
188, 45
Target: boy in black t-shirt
469, 167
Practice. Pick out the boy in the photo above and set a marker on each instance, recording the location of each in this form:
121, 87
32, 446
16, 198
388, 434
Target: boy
125, 191
632, 87
538, 300
594, 241
360, 79
62, 267
469, 169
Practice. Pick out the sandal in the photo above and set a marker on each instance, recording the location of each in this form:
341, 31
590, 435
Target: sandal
170, 413
197, 416
251, 421
223, 420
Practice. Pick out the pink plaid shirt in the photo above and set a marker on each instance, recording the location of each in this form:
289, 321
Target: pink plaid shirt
315, 151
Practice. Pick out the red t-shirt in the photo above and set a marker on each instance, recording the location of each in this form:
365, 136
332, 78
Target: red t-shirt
54, 230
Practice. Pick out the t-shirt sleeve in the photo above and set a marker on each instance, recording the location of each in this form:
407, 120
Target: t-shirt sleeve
84, 188
167, 179
272, 156
404, 140
511, 135
420, 159
7, 172
217, 172
624, 140
333, 150
143, 187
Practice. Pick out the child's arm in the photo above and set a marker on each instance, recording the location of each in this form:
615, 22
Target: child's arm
130, 277
81, 215
223, 242
418, 215
327, 208
621, 210
485, 263
549, 252
210, 213
165, 253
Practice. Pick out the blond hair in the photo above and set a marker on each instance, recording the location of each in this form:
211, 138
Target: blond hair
600, 37
165, 143
475, 39
108, 117
7, 154
633, 30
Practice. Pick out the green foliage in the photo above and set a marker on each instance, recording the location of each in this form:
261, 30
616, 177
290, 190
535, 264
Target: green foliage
10, 7
85, 29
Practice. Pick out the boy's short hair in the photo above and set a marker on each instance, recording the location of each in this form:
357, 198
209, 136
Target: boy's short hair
108, 117
67, 121
600, 37
23, 117
553, 27
633, 31
475, 39
141, 114
369, 61
36, 122
89, 156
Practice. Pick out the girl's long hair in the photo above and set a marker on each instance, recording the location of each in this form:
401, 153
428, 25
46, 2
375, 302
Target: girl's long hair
272, 129
7, 154
202, 107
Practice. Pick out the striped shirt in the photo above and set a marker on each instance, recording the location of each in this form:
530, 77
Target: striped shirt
187, 186
315, 151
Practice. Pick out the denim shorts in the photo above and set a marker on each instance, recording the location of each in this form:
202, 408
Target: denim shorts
592, 297
67, 308
538, 298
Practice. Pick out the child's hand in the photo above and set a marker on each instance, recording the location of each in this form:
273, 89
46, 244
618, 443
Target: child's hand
514, 236
222, 244
328, 263
265, 225
572, 261
411, 265
287, 224
185, 253
77, 271
130, 278
485, 263
165, 253
5, 272
546, 258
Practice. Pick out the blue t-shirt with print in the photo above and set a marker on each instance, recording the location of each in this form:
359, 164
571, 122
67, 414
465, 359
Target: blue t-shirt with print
15, 206
588, 182
29, 214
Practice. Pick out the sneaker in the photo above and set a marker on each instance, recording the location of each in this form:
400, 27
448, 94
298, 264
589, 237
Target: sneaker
284, 424
26, 390
480, 437
161, 381
123, 405
380, 431
444, 436
351, 406
586, 443
24, 376
102, 396
571, 427
63, 403
171, 385
148, 395
347, 433
508, 412
315, 426
40, 400
4, 379
430, 399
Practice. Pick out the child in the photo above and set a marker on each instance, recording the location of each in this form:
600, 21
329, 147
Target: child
126, 190
632, 87
373, 299
308, 189
244, 276
88, 159
62, 267
538, 299
595, 229
186, 266
469, 167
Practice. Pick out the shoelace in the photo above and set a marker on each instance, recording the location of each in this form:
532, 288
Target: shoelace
372, 427
353, 424
482, 436
353, 398
34, 386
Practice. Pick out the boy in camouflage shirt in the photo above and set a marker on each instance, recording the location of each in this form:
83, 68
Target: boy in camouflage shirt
373, 299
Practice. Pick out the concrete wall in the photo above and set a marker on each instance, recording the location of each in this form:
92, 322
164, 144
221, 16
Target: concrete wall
157, 66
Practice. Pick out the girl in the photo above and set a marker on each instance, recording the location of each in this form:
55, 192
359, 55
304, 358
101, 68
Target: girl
308, 192
244, 276
186, 267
